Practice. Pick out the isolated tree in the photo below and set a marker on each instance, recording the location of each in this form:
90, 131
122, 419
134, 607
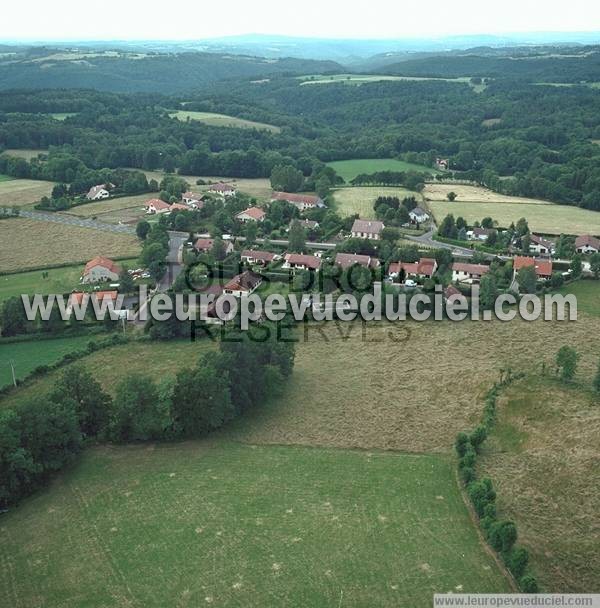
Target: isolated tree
566, 363
522, 227
488, 292
12, 317
487, 222
451, 196
142, 229
527, 279
218, 250
250, 231
286, 178
92, 404
576, 266
461, 223
525, 243
297, 237
447, 228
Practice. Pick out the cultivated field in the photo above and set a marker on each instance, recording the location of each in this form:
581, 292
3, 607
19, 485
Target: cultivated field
224, 524
20, 192
405, 386
357, 79
222, 120
26, 244
360, 199
26, 356
543, 458
474, 203
349, 169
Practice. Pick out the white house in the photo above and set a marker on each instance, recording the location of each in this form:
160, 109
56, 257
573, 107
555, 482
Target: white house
203, 245
302, 202
418, 215
479, 234
587, 244
258, 257
423, 269
222, 189
300, 261
193, 200
243, 284
468, 273
156, 206
100, 269
97, 193
252, 214
541, 246
346, 260
367, 229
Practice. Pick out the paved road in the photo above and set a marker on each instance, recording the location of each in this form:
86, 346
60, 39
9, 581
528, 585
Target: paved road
71, 220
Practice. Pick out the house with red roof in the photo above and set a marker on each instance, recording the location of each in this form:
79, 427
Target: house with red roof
543, 268
203, 245
423, 269
243, 284
100, 269
258, 257
193, 199
302, 202
156, 206
541, 246
252, 214
346, 260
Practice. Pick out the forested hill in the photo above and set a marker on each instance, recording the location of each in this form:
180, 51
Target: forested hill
137, 72
553, 65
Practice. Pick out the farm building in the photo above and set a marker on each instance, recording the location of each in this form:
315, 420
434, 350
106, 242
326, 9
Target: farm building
156, 206
423, 269
346, 260
258, 257
100, 269
252, 214
468, 273
300, 201
97, 193
543, 268
367, 229
418, 215
541, 246
203, 245
222, 189
300, 261
587, 244
243, 284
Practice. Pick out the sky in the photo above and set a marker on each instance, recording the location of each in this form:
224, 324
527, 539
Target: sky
197, 19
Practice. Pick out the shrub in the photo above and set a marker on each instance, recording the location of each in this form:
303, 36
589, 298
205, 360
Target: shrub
528, 584
502, 535
517, 560
462, 439
467, 474
481, 494
478, 436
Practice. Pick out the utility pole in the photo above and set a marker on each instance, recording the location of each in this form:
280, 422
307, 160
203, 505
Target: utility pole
12, 367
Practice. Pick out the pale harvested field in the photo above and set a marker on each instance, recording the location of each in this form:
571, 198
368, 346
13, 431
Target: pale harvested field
223, 120
110, 210
26, 153
259, 187
26, 243
412, 395
20, 192
474, 194
360, 199
543, 459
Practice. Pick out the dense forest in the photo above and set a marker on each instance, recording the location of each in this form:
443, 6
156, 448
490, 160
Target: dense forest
514, 136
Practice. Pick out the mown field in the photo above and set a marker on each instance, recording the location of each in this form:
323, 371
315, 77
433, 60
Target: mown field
360, 199
27, 243
222, 120
113, 211
475, 203
21, 192
26, 153
588, 296
223, 524
543, 458
358, 79
26, 356
349, 169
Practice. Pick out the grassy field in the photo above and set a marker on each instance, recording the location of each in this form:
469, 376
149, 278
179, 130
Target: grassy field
26, 244
62, 115
349, 169
358, 79
158, 359
222, 120
5, 178
588, 296
218, 523
113, 211
474, 203
360, 199
20, 192
543, 458
26, 153
26, 356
